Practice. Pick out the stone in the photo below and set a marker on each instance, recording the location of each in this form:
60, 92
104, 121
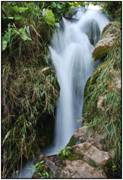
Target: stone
80, 169
118, 84
51, 165
107, 41
90, 152
100, 103
81, 133
103, 46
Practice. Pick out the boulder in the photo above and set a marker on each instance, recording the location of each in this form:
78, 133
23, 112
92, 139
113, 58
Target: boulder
80, 169
86, 134
91, 153
107, 41
103, 46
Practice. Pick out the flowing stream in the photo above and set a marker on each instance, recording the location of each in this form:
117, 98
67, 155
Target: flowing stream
71, 53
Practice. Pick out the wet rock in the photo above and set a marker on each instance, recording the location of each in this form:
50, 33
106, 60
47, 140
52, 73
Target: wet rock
92, 153
80, 169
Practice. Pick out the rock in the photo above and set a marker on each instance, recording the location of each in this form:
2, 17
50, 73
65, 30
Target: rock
51, 165
117, 83
100, 103
107, 41
103, 46
80, 169
81, 134
41, 157
86, 134
92, 153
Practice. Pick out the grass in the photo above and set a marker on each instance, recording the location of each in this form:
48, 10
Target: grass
108, 119
28, 98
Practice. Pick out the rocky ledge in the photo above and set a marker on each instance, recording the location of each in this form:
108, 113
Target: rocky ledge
86, 159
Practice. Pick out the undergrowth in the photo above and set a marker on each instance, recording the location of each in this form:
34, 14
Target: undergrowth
29, 85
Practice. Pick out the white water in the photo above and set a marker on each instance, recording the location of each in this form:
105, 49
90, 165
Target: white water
71, 53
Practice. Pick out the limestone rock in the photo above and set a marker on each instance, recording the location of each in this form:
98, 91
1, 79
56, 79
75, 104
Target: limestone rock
92, 153
80, 169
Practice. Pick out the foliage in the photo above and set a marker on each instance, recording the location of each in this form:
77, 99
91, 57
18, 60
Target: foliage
65, 153
48, 16
113, 9
106, 118
29, 85
28, 101
42, 170
12, 33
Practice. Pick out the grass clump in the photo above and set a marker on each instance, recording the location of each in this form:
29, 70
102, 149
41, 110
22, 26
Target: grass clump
29, 97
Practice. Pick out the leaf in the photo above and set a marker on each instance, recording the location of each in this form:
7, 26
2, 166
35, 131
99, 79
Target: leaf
24, 35
22, 9
6, 39
4, 44
49, 16
10, 17
6, 136
18, 18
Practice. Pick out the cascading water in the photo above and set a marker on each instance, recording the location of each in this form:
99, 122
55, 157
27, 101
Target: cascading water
71, 53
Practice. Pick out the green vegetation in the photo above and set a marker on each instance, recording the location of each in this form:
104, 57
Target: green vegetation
29, 87
102, 107
42, 171
65, 153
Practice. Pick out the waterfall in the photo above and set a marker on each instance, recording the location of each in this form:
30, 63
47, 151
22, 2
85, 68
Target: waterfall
71, 53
